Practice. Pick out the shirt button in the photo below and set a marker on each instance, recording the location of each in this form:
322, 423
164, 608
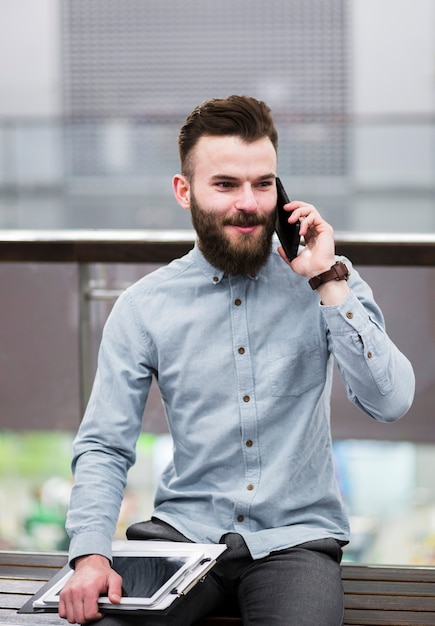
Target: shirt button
237, 302
349, 315
369, 355
246, 398
250, 487
241, 350
240, 518
249, 443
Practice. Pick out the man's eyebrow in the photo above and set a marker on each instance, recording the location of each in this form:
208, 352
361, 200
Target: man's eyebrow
223, 177
235, 178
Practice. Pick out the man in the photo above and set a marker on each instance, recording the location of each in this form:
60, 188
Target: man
242, 347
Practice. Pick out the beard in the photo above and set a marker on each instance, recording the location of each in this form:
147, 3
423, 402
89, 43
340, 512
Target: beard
244, 256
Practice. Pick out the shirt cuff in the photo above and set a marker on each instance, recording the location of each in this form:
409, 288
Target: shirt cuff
349, 313
91, 542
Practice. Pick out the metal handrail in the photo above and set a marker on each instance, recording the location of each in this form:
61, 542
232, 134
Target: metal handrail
161, 246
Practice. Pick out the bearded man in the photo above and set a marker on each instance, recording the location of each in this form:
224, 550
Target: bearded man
242, 344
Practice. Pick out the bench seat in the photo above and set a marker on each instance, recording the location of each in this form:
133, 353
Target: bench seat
374, 595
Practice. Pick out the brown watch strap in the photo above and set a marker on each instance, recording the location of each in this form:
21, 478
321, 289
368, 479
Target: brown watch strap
338, 271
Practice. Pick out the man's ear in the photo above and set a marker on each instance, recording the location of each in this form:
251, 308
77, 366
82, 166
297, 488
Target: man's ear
181, 189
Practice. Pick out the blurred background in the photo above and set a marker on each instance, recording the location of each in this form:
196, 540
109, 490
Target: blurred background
92, 95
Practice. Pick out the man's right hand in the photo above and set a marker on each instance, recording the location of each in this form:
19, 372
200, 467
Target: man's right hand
93, 576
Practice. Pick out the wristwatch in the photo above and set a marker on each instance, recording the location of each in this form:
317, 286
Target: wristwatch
338, 271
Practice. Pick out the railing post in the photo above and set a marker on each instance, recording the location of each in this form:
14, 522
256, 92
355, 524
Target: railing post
92, 288
85, 336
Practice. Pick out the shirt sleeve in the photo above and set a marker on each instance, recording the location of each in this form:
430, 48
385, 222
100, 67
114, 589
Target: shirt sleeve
104, 448
379, 379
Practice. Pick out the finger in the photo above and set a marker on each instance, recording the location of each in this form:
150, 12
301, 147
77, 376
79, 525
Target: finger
307, 222
302, 213
91, 618
62, 608
66, 608
90, 610
298, 204
115, 589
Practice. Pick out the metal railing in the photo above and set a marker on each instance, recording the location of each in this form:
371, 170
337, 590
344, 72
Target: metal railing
161, 246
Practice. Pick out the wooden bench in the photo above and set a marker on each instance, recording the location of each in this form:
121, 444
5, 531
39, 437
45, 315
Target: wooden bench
374, 595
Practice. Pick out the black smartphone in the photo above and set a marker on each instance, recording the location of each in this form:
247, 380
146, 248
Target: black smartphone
288, 234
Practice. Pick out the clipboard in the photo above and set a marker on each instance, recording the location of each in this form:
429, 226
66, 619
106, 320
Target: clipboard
154, 573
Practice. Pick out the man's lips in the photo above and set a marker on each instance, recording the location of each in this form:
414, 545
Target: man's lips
245, 229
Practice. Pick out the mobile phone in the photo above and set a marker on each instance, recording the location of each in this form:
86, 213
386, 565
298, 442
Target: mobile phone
288, 234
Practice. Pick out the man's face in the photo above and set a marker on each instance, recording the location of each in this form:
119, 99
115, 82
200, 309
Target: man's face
233, 200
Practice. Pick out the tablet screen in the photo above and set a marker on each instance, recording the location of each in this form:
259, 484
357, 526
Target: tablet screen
143, 576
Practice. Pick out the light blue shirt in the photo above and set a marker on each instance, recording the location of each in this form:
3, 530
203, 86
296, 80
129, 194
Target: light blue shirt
244, 366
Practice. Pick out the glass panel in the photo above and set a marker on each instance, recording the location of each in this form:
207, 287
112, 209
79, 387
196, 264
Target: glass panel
39, 318
35, 486
389, 493
39, 382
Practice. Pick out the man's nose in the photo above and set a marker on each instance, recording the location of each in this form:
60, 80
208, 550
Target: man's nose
246, 200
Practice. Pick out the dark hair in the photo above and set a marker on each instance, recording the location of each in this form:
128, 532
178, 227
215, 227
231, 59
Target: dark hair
240, 116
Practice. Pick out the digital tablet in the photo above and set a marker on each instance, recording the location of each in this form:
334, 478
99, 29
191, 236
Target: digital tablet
149, 572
